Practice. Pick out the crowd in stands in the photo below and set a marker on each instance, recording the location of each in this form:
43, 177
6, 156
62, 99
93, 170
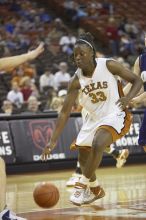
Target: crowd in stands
40, 86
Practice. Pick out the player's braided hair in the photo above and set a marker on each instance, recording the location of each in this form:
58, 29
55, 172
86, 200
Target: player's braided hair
87, 38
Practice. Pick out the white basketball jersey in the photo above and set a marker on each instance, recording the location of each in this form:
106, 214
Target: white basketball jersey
98, 94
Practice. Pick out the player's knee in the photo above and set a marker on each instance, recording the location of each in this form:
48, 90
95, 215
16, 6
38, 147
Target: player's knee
98, 146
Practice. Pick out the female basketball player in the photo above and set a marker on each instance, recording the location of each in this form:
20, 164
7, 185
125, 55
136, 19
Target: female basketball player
96, 81
7, 64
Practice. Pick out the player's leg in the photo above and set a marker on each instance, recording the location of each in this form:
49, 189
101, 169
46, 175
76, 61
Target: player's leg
83, 194
2, 184
95, 188
5, 214
93, 183
102, 139
142, 133
75, 176
119, 155
144, 147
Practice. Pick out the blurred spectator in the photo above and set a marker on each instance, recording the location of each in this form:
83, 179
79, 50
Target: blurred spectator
47, 96
18, 75
62, 93
76, 107
126, 46
113, 36
56, 104
32, 105
80, 13
92, 11
58, 29
108, 7
44, 16
7, 107
10, 25
131, 28
50, 58
62, 77
29, 70
26, 87
35, 90
47, 79
15, 96
71, 8
66, 42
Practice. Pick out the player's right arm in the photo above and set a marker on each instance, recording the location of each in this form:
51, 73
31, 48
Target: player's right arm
71, 96
8, 63
136, 68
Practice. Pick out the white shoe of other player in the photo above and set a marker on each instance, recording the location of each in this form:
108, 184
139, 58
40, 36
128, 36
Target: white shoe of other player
9, 215
121, 159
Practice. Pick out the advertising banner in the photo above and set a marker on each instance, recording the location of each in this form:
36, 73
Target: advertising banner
130, 140
31, 136
23, 140
6, 144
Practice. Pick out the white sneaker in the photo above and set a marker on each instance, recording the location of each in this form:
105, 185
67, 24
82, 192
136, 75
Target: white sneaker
82, 195
73, 179
9, 215
121, 160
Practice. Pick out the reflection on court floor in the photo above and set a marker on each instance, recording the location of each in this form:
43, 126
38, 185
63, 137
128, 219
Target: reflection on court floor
125, 197
134, 210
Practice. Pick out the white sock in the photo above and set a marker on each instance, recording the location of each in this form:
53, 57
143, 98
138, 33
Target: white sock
111, 149
78, 164
84, 180
94, 184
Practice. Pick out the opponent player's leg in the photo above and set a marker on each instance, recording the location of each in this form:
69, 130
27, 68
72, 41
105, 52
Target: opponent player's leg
142, 133
5, 214
75, 176
83, 194
119, 155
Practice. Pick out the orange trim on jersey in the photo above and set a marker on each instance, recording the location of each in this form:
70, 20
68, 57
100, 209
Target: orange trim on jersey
120, 89
114, 133
74, 146
125, 129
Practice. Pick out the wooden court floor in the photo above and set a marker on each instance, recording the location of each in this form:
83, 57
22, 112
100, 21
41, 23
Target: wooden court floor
125, 197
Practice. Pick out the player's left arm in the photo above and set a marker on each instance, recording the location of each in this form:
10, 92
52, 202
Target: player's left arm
8, 63
117, 69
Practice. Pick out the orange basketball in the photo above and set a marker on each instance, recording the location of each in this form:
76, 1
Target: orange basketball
46, 195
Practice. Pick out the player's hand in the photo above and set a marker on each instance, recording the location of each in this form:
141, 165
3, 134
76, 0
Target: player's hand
122, 103
46, 152
36, 52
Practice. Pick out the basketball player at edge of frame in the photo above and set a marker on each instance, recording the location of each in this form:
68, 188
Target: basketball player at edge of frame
140, 70
7, 64
97, 83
